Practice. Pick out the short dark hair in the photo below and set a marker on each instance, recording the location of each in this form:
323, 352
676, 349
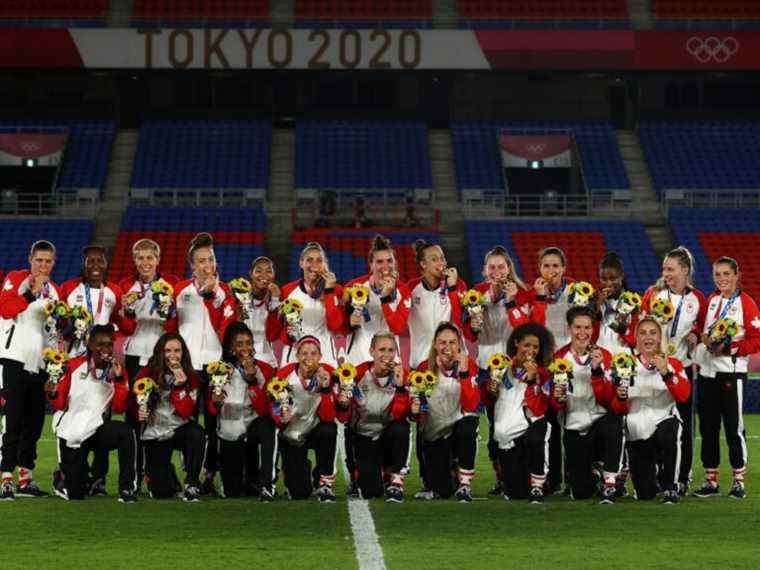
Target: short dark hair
42, 245
580, 311
545, 341
102, 329
230, 333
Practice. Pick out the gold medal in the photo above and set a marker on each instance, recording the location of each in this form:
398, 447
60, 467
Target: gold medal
671, 348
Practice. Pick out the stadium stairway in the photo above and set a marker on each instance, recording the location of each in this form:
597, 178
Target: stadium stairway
119, 13
640, 14
445, 14
116, 191
644, 204
282, 14
446, 198
281, 200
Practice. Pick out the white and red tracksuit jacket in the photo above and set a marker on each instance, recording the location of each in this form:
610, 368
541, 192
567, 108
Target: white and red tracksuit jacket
453, 398
692, 319
145, 327
609, 339
321, 318
23, 320
516, 408
243, 403
591, 392
200, 321
378, 403
652, 399
311, 405
265, 326
500, 318
744, 311
175, 408
551, 311
430, 307
386, 314
82, 400
104, 304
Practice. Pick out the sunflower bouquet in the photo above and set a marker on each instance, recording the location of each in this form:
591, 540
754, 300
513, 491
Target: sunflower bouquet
561, 370
580, 293
81, 321
498, 365
291, 311
421, 386
663, 310
623, 370
474, 303
346, 374
722, 333
242, 290
628, 303
279, 391
219, 375
163, 298
55, 364
146, 394
56, 316
358, 296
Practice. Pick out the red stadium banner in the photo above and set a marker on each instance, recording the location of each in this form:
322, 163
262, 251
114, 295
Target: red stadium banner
350, 49
15, 147
553, 151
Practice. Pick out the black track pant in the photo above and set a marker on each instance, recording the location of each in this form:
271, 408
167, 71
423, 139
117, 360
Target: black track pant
250, 459
663, 449
188, 439
211, 463
720, 398
295, 461
441, 454
604, 441
688, 420
529, 456
390, 451
348, 449
111, 435
554, 478
24, 415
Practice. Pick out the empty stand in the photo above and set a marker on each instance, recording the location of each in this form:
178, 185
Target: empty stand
203, 154
705, 14
220, 13
584, 243
347, 249
364, 13
478, 160
543, 13
69, 237
702, 155
53, 13
238, 237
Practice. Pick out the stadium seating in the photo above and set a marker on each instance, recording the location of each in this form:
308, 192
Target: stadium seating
53, 13
364, 13
347, 249
88, 149
584, 243
212, 13
543, 13
712, 232
706, 14
478, 160
203, 154
69, 237
702, 155
238, 237
372, 155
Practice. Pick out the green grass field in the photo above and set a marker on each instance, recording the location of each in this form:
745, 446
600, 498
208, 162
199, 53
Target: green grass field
487, 533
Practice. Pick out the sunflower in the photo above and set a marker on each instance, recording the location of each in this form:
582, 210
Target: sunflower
143, 386
622, 360
417, 381
62, 309
431, 379
224, 368
668, 310
48, 353
721, 327
583, 289
472, 298
290, 306
346, 372
499, 361
240, 285
359, 294
560, 366
81, 313
49, 308
212, 367
277, 386
58, 357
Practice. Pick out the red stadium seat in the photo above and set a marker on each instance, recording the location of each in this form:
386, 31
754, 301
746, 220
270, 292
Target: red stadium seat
53, 9
706, 9
543, 10
397, 10
199, 10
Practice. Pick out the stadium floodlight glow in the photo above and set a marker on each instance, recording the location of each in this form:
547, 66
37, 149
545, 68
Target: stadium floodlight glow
30, 162
535, 164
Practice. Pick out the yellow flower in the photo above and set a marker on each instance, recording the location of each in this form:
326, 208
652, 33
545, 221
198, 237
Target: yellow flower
499, 361
472, 298
359, 294
431, 379
584, 289
143, 386
224, 368
417, 381
346, 372
48, 353
62, 309
631, 298
58, 357
49, 307
240, 285
560, 366
81, 313
290, 306
622, 360
212, 367
277, 386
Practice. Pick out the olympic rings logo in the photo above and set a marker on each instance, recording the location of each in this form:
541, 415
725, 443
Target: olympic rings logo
536, 148
30, 146
712, 48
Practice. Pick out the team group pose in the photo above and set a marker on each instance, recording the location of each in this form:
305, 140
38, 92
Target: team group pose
582, 387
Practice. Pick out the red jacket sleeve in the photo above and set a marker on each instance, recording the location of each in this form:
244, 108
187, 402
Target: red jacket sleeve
334, 313
397, 319
456, 304
678, 384
260, 401
273, 327
646, 300
11, 303
699, 325
536, 400
401, 405
61, 399
619, 406
326, 411
750, 344
183, 402
469, 390
120, 398
287, 289
537, 307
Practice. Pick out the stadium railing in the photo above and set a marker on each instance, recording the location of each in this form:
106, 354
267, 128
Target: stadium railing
197, 196
614, 203
718, 198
